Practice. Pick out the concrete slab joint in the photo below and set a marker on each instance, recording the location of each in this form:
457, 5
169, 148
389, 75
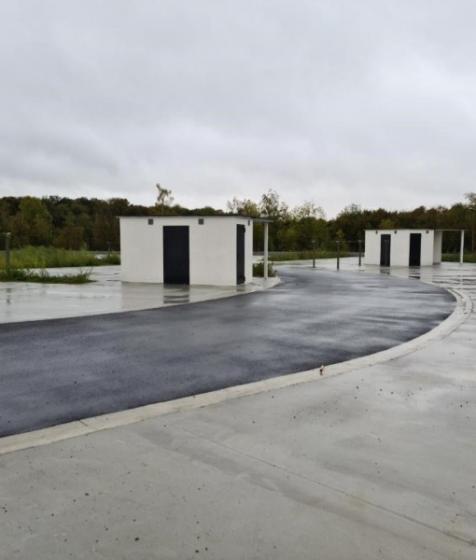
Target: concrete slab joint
374, 464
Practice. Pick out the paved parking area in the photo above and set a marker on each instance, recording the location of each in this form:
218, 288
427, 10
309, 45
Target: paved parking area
377, 463
20, 301
58, 371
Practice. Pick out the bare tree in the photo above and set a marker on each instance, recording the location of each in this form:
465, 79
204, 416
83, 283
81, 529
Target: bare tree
164, 198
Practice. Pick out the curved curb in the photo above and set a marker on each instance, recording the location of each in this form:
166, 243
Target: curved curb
45, 436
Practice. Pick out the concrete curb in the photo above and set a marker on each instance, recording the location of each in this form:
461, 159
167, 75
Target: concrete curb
87, 426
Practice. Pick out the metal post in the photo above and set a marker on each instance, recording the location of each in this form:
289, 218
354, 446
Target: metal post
7, 251
265, 252
461, 248
338, 255
313, 253
473, 232
360, 252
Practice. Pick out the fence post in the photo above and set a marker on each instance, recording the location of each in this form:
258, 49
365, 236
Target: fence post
338, 255
7, 251
313, 253
360, 252
265, 253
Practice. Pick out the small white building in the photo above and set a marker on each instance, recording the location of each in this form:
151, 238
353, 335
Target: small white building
403, 247
213, 250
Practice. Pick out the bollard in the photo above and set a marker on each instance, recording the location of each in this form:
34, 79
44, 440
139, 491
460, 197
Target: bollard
338, 255
360, 252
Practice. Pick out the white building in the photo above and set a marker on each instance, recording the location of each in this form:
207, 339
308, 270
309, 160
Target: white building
403, 247
213, 250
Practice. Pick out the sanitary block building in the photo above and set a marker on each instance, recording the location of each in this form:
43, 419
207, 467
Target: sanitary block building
208, 250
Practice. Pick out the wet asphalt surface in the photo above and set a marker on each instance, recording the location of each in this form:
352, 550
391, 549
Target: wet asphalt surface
61, 370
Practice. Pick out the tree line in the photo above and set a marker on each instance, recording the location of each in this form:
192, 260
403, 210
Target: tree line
90, 223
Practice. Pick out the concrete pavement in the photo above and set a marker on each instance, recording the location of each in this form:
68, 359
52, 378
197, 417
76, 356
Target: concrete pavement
377, 463
22, 301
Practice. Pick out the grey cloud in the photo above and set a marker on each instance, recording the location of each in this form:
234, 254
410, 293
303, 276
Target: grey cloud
334, 101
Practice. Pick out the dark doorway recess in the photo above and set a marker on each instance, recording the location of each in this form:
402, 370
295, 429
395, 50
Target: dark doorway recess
385, 244
240, 254
415, 249
176, 255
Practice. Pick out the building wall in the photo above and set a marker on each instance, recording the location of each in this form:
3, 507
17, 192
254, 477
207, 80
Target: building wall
438, 247
212, 249
400, 246
141, 251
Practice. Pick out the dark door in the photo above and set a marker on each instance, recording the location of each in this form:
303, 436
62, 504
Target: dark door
176, 255
240, 254
385, 243
415, 249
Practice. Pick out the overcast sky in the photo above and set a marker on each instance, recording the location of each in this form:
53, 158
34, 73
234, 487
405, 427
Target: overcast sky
370, 102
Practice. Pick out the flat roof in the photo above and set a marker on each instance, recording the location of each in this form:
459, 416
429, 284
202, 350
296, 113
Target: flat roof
192, 216
413, 229
401, 229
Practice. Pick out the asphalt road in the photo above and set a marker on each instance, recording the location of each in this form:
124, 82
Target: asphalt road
62, 370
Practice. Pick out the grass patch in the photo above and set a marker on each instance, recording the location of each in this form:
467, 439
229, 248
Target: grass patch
44, 277
454, 257
258, 270
51, 257
304, 255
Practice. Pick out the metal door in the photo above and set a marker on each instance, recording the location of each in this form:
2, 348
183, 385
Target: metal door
240, 254
385, 246
176, 255
415, 249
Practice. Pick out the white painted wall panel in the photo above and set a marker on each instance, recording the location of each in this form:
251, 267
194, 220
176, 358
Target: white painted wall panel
427, 246
372, 248
249, 251
438, 247
141, 251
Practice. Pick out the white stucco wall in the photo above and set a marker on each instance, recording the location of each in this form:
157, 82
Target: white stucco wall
438, 247
212, 249
400, 246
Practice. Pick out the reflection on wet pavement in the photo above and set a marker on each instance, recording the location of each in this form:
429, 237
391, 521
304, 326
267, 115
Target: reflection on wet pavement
121, 361
107, 294
446, 275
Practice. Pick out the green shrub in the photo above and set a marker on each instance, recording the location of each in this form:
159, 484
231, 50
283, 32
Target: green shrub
111, 258
258, 270
52, 257
454, 257
44, 277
